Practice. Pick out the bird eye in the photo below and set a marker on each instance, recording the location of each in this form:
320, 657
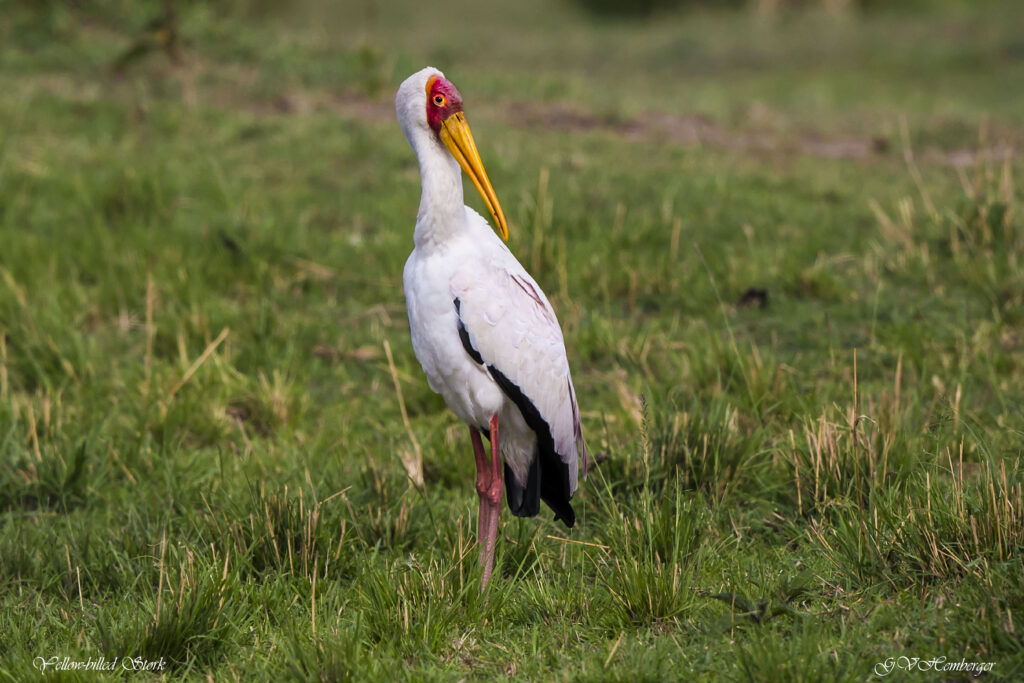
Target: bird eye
439, 100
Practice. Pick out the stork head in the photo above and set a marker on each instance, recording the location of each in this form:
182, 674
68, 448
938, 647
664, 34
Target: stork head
430, 107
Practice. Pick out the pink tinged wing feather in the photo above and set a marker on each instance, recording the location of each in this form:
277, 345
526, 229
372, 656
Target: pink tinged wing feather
511, 324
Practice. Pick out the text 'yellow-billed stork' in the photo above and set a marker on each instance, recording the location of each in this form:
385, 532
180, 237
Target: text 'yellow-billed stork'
481, 327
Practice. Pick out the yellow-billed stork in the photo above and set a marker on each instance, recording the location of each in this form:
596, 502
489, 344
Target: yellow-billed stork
481, 327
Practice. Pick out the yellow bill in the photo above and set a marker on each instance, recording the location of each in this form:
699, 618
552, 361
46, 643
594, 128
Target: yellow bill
456, 136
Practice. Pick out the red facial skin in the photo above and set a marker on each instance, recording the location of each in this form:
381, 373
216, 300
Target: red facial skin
443, 100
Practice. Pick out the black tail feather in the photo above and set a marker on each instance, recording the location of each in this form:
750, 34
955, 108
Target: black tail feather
547, 480
548, 477
554, 486
523, 501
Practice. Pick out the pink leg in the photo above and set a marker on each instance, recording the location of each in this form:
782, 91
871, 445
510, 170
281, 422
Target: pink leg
483, 477
492, 500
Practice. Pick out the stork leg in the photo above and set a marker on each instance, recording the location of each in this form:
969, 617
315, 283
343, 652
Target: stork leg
492, 500
483, 476
489, 488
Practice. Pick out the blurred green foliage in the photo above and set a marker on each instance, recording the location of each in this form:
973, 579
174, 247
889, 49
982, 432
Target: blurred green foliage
647, 8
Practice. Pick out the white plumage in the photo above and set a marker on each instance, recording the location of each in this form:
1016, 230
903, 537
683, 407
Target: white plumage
481, 327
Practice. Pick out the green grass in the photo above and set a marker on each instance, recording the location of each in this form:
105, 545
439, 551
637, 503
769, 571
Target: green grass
201, 445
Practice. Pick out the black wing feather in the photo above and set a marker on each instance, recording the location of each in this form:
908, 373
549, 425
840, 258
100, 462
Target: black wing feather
548, 477
552, 473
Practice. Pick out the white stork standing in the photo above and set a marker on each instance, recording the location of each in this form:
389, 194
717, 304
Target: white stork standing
481, 327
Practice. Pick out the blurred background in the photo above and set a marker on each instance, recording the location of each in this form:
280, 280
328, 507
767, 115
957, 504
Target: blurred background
779, 64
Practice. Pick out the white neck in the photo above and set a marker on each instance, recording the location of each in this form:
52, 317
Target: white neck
442, 212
